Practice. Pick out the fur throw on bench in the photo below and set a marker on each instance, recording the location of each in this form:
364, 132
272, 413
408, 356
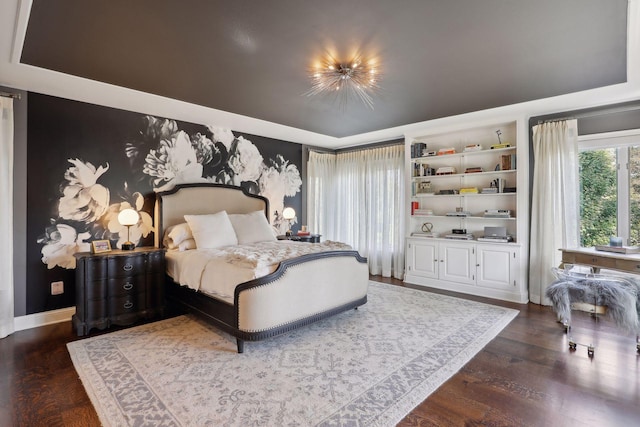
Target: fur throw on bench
619, 295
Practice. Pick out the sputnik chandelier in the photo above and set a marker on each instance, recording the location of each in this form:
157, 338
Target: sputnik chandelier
355, 79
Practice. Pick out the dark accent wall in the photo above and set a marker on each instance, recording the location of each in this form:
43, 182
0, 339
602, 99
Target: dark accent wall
85, 162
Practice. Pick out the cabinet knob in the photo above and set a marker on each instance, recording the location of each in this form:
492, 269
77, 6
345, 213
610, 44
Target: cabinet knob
128, 305
128, 267
128, 286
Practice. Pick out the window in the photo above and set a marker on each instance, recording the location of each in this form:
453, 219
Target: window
610, 188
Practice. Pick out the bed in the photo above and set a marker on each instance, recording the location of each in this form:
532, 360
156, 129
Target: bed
299, 291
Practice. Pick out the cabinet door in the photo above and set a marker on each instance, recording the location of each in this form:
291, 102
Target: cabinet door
496, 266
457, 262
422, 258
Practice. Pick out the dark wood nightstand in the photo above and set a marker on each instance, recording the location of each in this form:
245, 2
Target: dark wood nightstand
118, 287
311, 238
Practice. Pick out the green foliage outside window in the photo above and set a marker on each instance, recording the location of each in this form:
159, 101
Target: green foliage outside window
598, 197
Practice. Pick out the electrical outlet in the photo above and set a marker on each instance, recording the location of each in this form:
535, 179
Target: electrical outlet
57, 288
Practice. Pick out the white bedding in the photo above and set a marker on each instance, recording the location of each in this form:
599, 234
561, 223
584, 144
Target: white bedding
217, 272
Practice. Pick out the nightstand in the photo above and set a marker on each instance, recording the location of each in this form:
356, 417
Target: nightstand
310, 238
118, 287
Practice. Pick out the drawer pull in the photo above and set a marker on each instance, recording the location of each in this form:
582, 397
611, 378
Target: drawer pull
128, 267
128, 305
127, 286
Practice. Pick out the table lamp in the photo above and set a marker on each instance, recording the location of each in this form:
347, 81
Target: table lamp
289, 214
128, 217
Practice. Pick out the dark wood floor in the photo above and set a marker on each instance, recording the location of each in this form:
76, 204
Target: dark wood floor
526, 376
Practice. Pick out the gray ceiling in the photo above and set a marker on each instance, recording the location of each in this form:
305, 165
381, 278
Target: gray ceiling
438, 57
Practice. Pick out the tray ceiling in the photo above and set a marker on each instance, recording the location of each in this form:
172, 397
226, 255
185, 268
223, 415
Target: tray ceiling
438, 58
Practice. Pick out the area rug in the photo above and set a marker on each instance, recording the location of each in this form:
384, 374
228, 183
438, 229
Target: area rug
365, 367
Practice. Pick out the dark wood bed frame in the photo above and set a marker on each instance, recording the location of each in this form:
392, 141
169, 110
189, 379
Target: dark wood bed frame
225, 315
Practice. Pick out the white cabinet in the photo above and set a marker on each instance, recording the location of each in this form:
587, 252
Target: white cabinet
497, 266
422, 258
489, 270
457, 262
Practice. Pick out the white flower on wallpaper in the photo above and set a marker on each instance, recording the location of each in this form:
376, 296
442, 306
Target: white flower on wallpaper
277, 181
61, 241
174, 162
225, 136
83, 198
160, 157
245, 161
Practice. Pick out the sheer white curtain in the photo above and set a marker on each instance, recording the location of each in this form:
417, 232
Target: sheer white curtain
6, 216
554, 206
357, 197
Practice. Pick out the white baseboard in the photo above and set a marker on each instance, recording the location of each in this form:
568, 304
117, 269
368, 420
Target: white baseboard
45, 318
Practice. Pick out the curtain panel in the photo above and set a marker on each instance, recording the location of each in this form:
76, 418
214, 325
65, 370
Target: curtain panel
6, 216
357, 197
554, 205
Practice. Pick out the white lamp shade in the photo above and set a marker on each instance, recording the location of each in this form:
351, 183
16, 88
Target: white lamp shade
288, 213
128, 217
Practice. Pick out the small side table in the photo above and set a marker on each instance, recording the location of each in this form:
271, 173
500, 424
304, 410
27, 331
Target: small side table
310, 238
118, 287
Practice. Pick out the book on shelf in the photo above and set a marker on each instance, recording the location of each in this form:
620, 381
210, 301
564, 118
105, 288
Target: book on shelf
418, 149
469, 190
421, 234
303, 233
508, 162
496, 239
453, 236
458, 214
498, 146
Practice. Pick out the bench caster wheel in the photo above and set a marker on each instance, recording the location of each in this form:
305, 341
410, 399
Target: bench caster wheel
572, 345
590, 350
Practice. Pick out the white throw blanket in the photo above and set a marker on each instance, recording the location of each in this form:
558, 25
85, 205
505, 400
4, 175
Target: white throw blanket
218, 271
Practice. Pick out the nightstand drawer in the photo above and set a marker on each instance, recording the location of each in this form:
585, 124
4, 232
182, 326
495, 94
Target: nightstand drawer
96, 289
126, 285
97, 268
126, 266
126, 304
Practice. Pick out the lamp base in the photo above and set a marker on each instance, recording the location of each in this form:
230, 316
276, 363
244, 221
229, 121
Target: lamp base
128, 246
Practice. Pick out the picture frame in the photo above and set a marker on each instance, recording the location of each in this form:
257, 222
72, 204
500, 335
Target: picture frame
424, 187
100, 246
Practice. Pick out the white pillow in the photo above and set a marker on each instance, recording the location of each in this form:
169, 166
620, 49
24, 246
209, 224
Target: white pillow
176, 234
187, 244
252, 227
212, 230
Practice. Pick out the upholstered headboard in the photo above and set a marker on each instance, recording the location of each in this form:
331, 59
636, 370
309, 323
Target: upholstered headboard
198, 199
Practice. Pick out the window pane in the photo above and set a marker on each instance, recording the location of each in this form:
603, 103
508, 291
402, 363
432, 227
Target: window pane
598, 197
634, 196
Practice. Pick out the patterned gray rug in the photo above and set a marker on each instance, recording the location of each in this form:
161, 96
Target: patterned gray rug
368, 367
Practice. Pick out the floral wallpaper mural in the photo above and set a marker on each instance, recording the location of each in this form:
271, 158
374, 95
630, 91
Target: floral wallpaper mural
90, 162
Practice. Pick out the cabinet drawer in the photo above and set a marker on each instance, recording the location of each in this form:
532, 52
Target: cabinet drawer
96, 310
96, 290
126, 304
628, 265
126, 285
601, 262
96, 268
126, 266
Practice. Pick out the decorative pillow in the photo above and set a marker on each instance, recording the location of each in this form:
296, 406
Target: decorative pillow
212, 230
187, 244
176, 234
252, 227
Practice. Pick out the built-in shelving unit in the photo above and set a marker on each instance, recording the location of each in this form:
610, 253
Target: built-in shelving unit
468, 178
